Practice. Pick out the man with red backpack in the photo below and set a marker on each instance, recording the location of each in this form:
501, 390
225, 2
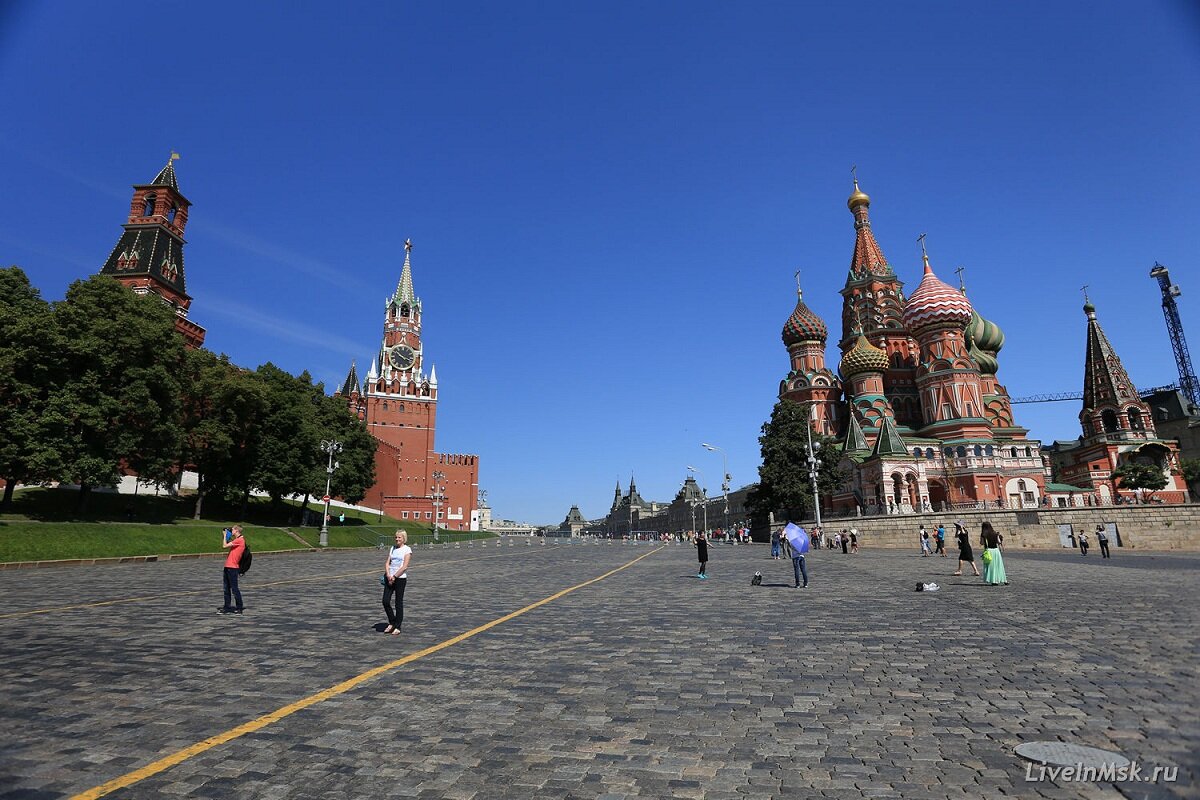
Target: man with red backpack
233, 567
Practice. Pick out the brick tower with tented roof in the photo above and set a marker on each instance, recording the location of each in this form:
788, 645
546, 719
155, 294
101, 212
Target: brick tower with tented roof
148, 257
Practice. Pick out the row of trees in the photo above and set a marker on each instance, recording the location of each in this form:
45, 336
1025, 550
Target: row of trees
100, 384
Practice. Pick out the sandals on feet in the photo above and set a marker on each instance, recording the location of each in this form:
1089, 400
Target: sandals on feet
396, 632
389, 629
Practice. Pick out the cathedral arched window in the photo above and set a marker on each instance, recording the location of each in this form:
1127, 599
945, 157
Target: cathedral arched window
917, 452
1028, 453
1020, 486
988, 450
949, 452
962, 451
404, 310
1109, 420
1135, 419
171, 214
148, 209
1014, 452
978, 450
385, 405
400, 407
929, 452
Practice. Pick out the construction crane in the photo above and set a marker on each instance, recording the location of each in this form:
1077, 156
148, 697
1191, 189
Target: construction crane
1188, 384
1056, 397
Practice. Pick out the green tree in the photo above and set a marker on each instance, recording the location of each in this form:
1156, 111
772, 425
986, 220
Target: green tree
356, 470
1191, 473
784, 483
286, 449
30, 357
222, 407
1140, 476
115, 405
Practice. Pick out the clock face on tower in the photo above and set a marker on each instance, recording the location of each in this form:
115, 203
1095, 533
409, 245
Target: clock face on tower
402, 356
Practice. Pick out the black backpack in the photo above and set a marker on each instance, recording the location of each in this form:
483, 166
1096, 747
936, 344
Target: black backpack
245, 561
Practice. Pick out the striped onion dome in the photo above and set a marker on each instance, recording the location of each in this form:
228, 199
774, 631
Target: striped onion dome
985, 334
863, 357
935, 304
803, 325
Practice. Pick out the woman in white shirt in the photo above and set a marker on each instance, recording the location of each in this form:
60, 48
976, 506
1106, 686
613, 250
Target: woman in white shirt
395, 573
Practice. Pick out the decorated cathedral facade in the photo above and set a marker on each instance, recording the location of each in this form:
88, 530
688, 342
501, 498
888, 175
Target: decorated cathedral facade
922, 421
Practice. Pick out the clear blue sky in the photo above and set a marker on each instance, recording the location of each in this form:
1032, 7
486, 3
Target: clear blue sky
608, 200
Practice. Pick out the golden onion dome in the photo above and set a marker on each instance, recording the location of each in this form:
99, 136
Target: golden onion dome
858, 197
863, 357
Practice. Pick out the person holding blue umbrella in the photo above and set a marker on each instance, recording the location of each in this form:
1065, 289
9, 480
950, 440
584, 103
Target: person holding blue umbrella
797, 539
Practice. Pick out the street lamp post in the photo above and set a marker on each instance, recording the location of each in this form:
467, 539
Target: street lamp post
812, 468
332, 447
724, 482
704, 496
438, 494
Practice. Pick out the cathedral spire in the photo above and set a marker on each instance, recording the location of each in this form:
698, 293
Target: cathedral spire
855, 441
404, 290
868, 258
889, 442
1105, 381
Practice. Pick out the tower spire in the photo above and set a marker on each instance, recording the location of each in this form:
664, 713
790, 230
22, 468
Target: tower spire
404, 290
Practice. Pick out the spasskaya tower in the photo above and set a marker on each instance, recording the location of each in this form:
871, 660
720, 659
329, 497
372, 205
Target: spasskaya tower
398, 402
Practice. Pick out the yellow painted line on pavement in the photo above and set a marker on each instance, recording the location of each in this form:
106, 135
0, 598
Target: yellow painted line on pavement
179, 756
254, 586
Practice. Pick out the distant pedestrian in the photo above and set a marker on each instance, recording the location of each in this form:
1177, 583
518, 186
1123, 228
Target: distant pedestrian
965, 556
1083, 543
993, 560
853, 541
845, 544
775, 545
1102, 540
924, 542
797, 544
395, 575
236, 546
702, 555
940, 538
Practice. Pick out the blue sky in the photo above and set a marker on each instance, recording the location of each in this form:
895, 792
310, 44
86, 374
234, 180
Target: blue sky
608, 201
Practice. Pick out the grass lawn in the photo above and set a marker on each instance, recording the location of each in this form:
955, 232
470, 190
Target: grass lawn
43, 541
44, 525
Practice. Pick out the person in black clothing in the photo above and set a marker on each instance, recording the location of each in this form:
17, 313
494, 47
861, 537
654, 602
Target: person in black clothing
1102, 540
702, 554
965, 556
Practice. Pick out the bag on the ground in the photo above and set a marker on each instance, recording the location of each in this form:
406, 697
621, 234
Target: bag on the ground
244, 562
756, 580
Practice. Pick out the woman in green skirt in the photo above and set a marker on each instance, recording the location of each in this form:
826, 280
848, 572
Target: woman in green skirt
993, 561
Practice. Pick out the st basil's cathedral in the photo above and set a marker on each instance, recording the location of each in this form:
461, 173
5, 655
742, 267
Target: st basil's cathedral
923, 422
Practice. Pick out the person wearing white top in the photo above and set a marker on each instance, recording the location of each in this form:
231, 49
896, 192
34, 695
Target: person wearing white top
395, 573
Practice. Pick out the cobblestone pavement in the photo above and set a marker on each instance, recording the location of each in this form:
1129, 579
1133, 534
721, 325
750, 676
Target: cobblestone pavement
648, 683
